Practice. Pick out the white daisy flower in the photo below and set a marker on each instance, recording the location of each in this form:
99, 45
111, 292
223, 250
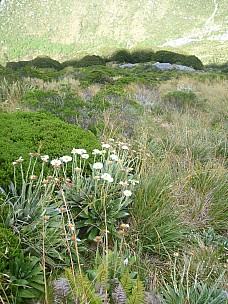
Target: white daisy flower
98, 166
107, 177
125, 184
78, 151
127, 193
44, 158
128, 170
96, 151
66, 158
124, 147
56, 162
114, 157
85, 155
133, 181
106, 146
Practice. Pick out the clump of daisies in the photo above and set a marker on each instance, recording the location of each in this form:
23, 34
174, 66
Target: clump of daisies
105, 178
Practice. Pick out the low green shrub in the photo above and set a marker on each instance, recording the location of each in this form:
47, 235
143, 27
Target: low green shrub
182, 100
16, 65
26, 280
89, 60
138, 56
38, 62
9, 246
46, 62
46, 74
64, 104
172, 57
37, 132
121, 56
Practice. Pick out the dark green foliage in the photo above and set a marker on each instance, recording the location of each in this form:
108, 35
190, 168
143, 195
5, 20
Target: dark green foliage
141, 56
18, 65
199, 293
182, 100
9, 247
121, 56
38, 62
64, 104
171, 57
46, 74
89, 60
98, 75
45, 62
22, 133
26, 277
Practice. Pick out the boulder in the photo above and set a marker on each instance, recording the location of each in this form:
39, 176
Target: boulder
127, 66
163, 66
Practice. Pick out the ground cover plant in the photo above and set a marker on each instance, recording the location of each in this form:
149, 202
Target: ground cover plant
135, 212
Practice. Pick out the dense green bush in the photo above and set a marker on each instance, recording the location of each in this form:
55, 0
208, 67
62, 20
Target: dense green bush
121, 56
38, 62
141, 56
89, 60
9, 246
45, 62
17, 65
65, 104
25, 132
182, 100
172, 57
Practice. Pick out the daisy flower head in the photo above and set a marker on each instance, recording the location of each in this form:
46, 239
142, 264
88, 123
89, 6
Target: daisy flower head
20, 160
124, 184
127, 193
128, 169
71, 226
34, 154
78, 151
124, 147
107, 177
98, 166
85, 156
78, 170
124, 226
56, 162
114, 157
44, 158
133, 181
96, 151
66, 158
106, 146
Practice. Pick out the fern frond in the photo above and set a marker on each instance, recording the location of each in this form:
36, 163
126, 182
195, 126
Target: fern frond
138, 295
89, 290
127, 283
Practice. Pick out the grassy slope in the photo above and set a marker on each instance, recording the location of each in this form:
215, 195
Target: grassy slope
64, 29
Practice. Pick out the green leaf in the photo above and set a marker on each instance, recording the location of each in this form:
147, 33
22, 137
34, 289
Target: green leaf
24, 293
21, 282
93, 233
37, 286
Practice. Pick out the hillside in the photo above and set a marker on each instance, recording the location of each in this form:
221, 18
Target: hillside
66, 29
